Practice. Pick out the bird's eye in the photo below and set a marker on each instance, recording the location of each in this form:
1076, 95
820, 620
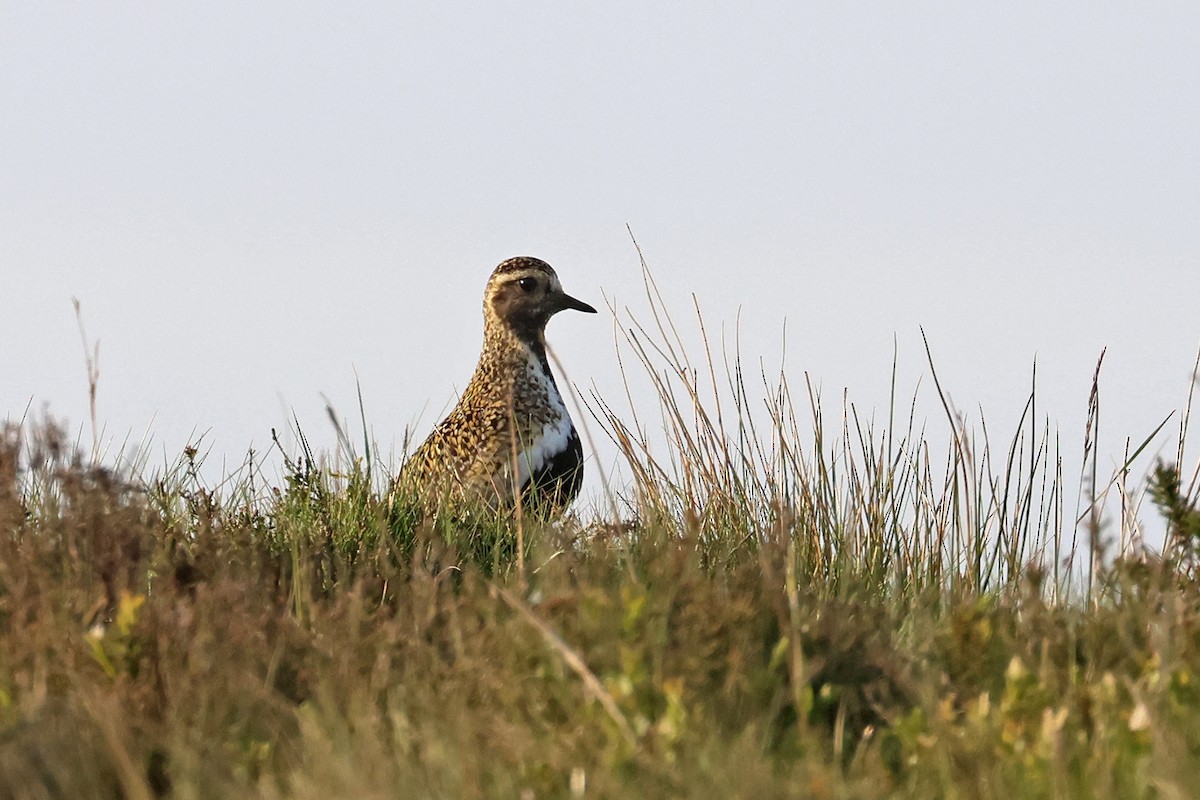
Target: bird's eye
528, 284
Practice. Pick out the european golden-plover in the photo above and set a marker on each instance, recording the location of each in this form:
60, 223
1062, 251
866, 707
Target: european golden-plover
510, 435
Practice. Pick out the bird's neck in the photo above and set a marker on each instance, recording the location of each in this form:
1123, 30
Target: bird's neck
506, 344
511, 366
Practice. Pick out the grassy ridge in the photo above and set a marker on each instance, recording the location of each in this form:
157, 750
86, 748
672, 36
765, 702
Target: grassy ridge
771, 609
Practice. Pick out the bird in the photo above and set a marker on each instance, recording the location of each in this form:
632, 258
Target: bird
509, 439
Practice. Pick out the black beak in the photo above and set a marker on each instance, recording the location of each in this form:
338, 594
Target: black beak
566, 301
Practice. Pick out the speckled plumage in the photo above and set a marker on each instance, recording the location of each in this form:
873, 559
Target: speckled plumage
511, 413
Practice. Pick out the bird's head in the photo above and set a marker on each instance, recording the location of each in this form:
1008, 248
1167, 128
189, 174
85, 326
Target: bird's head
523, 294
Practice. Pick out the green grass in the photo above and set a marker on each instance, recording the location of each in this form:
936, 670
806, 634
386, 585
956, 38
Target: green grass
770, 608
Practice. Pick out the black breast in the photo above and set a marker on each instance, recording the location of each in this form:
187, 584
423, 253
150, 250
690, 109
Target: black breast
557, 483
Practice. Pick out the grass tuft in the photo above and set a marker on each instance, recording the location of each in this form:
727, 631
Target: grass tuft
788, 598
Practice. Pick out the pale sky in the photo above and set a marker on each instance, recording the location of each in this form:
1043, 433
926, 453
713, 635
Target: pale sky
255, 203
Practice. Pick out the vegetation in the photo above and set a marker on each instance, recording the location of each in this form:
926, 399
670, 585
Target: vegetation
770, 609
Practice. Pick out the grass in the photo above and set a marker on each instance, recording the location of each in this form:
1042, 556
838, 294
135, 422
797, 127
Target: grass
774, 606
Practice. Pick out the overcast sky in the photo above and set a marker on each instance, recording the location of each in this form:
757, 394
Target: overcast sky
255, 203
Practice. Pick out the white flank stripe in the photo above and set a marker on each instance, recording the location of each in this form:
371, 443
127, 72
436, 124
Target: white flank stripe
552, 439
